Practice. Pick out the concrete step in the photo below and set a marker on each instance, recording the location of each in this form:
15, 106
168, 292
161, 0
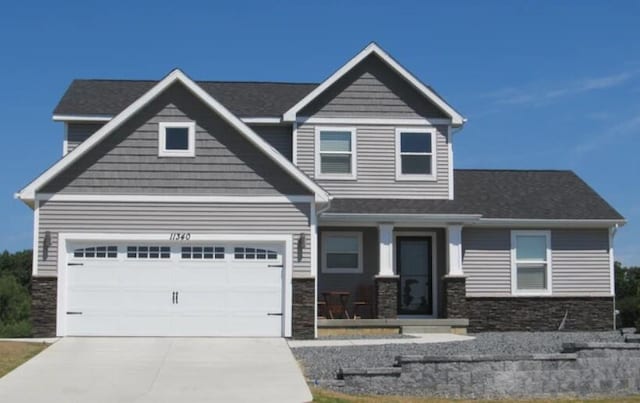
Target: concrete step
425, 329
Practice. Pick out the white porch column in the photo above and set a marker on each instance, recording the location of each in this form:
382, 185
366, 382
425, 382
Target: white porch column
385, 236
454, 236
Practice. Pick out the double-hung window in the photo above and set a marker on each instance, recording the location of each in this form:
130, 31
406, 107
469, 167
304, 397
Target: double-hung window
176, 139
531, 262
415, 154
335, 153
342, 252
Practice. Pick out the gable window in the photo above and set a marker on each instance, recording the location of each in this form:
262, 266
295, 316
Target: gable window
342, 252
335, 153
415, 155
176, 139
530, 262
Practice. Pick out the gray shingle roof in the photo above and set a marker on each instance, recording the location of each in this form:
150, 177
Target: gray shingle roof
500, 194
244, 99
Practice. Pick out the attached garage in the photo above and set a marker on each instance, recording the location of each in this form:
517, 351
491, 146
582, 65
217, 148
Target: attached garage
195, 286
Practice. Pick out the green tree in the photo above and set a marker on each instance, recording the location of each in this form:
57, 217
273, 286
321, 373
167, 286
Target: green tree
627, 282
18, 265
15, 307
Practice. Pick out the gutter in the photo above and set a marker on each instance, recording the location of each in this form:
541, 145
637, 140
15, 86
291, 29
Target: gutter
448, 218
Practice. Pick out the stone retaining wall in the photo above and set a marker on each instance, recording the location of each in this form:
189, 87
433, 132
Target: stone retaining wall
582, 370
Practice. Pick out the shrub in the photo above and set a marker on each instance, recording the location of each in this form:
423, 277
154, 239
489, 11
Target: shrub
15, 306
16, 329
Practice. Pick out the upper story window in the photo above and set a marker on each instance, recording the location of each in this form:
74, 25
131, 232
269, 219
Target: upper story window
342, 252
415, 154
531, 262
177, 139
335, 153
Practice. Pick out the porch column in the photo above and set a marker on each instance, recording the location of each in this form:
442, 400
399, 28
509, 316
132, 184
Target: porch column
454, 235
386, 281
455, 290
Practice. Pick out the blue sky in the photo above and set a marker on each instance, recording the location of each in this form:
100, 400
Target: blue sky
544, 84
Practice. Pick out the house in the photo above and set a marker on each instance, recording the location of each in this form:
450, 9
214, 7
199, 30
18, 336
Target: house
194, 208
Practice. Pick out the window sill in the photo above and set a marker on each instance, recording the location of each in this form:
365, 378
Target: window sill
541, 293
337, 177
416, 178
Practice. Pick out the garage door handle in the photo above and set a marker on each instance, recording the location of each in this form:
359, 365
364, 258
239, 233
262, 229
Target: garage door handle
276, 265
75, 264
274, 314
173, 297
73, 313
177, 293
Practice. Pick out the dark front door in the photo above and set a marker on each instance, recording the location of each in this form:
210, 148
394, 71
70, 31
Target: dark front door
413, 263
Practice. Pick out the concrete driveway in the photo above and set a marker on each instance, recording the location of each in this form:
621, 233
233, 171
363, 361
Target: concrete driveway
158, 370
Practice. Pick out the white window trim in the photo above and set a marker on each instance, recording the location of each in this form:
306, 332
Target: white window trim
514, 261
354, 153
416, 177
328, 270
162, 147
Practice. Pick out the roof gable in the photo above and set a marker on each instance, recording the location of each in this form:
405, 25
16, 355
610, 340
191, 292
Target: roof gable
375, 50
28, 193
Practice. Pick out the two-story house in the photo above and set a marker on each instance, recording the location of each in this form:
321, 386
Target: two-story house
207, 208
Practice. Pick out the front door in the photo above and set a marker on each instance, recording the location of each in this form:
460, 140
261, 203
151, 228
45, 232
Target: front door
413, 264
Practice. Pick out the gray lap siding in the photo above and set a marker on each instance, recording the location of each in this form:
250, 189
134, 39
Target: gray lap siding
155, 217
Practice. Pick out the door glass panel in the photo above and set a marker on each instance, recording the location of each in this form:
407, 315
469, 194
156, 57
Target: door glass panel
414, 266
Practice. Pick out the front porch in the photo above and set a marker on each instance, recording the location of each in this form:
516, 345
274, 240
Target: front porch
387, 278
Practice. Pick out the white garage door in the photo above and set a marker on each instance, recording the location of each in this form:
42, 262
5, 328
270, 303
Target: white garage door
156, 289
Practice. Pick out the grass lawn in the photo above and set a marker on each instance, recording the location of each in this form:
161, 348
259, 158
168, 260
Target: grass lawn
325, 396
14, 353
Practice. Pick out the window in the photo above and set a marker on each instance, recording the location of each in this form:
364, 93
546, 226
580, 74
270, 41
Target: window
148, 252
342, 252
177, 139
241, 253
202, 252
97, 252
530, 262
415, 154
336, 153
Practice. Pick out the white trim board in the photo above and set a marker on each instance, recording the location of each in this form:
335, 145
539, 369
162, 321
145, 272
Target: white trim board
431, 177
28, 193
63, 238
353, 175
373, 48
173, 198
515, 291
373, 121
105, 118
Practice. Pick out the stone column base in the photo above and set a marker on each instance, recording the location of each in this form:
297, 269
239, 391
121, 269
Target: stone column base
387, 297
304, 308
455, 297
44, 306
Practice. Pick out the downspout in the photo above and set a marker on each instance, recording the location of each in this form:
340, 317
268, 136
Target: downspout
612, 234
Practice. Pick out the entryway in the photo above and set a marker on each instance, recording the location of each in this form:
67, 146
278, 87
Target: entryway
414, 265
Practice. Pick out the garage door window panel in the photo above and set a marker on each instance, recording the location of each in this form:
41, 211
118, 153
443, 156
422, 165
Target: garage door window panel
202, 252
148, 252
96, 252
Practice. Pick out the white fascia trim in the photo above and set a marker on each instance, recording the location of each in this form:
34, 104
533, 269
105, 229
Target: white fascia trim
82, 118
262, 120
612, 281
294, 143
63, 238
372, 48
442, 218
522, 222
373, 121
106, 118
28, 193
173, 198
417, 197
36, 238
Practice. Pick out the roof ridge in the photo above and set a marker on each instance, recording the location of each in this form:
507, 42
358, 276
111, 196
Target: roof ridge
197, 81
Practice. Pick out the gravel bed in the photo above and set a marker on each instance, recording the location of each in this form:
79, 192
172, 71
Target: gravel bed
322, 363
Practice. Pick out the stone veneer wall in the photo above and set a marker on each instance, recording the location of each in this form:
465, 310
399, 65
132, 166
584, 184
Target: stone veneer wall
539, 313
44, 294
304, 306
488, 314
387, 297
582, 370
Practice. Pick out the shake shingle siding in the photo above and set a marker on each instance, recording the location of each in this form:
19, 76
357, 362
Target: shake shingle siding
127, 160
148, 217
371, 90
